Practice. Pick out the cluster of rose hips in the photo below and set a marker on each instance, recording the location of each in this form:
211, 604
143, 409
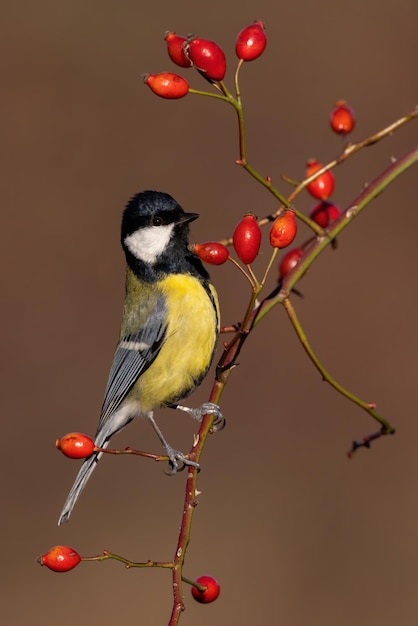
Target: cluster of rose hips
247, 234
342, 122
247, 239
204, 55
209, 59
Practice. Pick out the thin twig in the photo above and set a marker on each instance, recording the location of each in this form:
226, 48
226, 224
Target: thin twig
366, 406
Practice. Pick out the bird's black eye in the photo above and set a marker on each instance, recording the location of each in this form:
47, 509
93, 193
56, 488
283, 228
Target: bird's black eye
157, 221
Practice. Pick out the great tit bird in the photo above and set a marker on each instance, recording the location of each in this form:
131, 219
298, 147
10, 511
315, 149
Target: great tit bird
169, 328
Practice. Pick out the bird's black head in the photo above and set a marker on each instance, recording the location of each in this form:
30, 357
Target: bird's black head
154, 235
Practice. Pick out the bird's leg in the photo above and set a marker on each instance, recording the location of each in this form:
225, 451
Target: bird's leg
174, 456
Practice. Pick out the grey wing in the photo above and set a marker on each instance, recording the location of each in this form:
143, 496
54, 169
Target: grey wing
134, 354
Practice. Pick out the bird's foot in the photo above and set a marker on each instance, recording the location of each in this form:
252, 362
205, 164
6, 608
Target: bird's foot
207, 408
175, 457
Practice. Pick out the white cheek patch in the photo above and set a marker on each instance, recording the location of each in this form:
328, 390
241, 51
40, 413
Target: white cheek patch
146, 244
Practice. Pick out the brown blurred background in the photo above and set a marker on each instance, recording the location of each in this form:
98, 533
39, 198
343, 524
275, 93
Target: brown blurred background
295, 532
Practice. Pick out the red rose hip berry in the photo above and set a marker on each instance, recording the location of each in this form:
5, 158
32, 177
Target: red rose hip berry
208, 57
76, 445
324, 213
211, 252
342, 118
167, 85
251, 42
209, 594
60, 559
323, 186
283, 230
247, 239
289, 261
175, 49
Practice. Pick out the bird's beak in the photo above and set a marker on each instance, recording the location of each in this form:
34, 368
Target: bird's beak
187, 217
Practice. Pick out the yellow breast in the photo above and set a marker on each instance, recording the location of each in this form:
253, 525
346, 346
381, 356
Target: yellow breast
186, 354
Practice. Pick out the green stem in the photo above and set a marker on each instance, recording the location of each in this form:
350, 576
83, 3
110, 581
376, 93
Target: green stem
266, 182
241, 269
193, 583
236, 80
369, 408
263, 181
270, 263
197, 92
116, 557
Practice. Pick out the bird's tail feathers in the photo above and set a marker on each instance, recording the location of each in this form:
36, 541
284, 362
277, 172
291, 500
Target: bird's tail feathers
79, 483
108, 426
